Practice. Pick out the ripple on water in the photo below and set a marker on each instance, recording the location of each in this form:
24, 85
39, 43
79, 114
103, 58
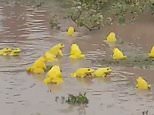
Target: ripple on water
29, 37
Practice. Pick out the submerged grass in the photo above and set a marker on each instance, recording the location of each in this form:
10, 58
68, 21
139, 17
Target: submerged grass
80, 99
77, 99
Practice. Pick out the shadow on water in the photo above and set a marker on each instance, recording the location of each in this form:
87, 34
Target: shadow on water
27, 27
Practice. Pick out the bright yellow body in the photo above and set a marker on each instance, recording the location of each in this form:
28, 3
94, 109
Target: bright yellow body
70, 31
14, 53
102, 72
82, 72
35, 70
75, 52
18, 50
38, 67
111, 38
54, 76
142, 84
50, 57
5, 54
151, 54
10, 51
57, 50
2, 53
42, 58
5, 51
118, 55
40, 63
77, 56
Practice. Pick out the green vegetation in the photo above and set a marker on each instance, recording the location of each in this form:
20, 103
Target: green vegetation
77, 100
94, 14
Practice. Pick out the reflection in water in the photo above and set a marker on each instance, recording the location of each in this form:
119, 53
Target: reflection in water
27, 28
55, 88
80, 110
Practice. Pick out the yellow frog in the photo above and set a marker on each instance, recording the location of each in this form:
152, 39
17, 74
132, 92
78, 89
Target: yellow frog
82, 72
76, 53
111, 38
54, 76
50, 57
15, 52
5, 51
102, 72
35, 70
118, 55
70, 31
38, 67
142, 84
151, 54
57, 50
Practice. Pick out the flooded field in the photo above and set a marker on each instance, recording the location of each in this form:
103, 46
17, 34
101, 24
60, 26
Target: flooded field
23, 94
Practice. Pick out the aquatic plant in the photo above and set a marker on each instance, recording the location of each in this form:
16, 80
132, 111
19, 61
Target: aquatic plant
77, 99
145, 112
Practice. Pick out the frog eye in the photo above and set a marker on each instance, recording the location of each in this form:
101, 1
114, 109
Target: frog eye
88, 69
62, 45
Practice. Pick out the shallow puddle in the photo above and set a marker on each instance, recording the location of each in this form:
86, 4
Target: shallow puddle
23, 94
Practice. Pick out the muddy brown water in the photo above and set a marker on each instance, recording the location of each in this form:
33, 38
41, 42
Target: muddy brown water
23, 94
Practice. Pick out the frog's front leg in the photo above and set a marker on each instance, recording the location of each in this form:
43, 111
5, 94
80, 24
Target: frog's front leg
60, 53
